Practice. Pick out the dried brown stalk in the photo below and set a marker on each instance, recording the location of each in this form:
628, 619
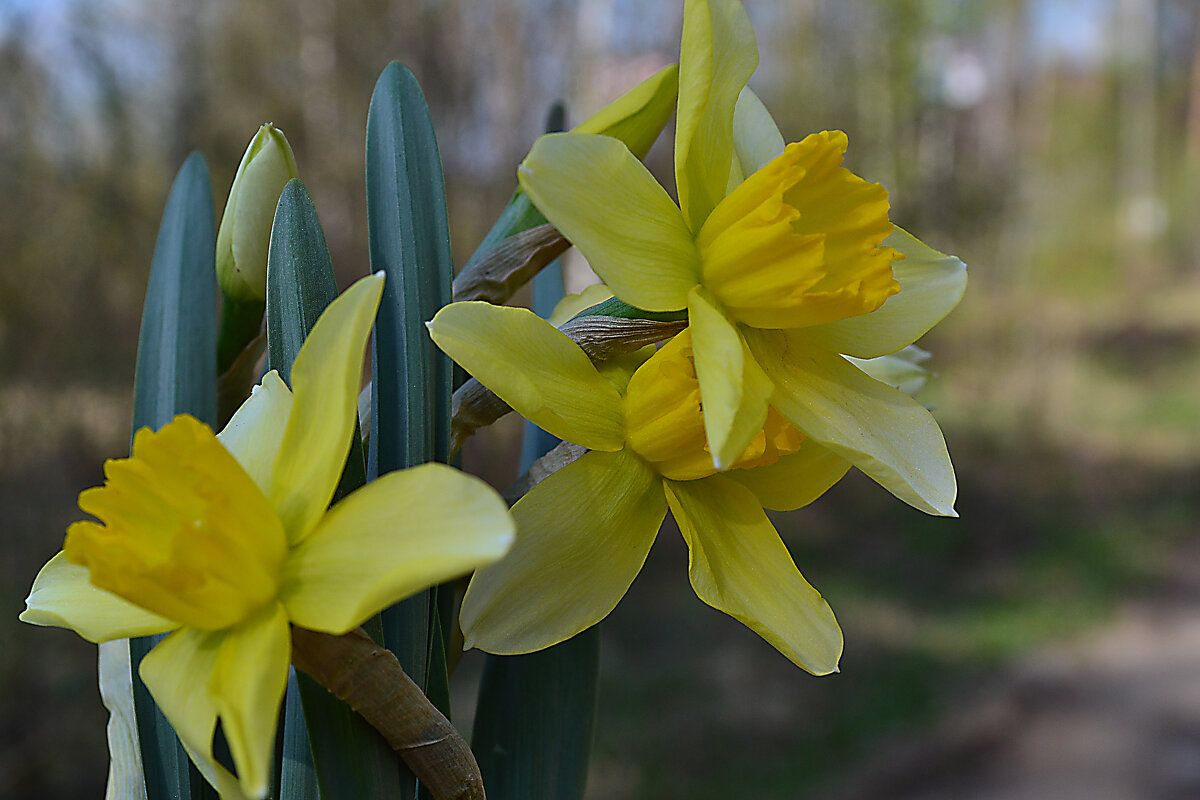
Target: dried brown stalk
510, 265
369, 679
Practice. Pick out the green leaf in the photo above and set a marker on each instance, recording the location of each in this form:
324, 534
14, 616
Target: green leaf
409, 240
535, 719
176, 374
352, 759
612, 307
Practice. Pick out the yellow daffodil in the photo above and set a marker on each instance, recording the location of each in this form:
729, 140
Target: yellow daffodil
586, 529
785, 261
225, 541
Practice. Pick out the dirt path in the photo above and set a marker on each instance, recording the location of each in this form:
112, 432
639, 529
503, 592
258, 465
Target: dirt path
1112, 716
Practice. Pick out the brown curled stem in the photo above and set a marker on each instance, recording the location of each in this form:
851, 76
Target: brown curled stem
510, 265
369, 679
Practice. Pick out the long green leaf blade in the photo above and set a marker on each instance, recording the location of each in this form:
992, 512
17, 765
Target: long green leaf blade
176, 374
535, 720
352, 759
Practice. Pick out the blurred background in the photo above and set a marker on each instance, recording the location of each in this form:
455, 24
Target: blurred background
1046, 644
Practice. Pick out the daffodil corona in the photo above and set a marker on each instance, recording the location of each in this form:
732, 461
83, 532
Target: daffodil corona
226, 541
585, 531
784, 259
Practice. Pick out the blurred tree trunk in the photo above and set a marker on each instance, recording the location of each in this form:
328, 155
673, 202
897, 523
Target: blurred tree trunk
1140, 216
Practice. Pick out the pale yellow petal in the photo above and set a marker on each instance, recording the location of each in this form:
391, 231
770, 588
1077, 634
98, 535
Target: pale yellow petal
393, 537
738, 564
733, 389
247, 686
880, 430
63, 597
255, 431
638, 116
572, 304
756, 139
325, 382
931, 283
178, 672
901, 369
609, 206
582, 536
794, 480
534, 368
717, 56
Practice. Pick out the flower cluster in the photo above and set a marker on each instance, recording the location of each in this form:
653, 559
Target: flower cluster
802, 301
800, 297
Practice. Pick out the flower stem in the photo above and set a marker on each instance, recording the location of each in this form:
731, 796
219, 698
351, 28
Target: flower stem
369, 679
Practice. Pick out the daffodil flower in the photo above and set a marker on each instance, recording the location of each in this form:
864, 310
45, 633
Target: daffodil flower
785, 261
587, 528
225, 541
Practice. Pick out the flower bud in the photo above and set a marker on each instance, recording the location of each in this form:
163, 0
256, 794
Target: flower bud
246, 225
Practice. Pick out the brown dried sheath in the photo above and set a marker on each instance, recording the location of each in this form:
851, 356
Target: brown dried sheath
369, 679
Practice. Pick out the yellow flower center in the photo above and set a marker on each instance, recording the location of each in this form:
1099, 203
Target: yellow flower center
184, 532
799, 242
664, 419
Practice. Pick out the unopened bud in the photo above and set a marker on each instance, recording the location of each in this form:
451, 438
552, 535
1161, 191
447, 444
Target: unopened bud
246, 225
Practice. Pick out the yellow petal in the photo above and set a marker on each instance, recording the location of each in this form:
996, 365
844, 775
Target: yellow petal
931, 283
756, 139
638, 116
395, 536
582, 536
608, 204
247, 686
572, 304
325, 383
738, 564
63, 596
255, 431
178, 672
733, 389
795, 480
534, 368
880, 430
901, 369
717, 56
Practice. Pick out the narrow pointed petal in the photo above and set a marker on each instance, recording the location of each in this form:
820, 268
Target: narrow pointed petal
733, 389
64, 597
248, 682
794, 480
738, 564
325, 383
608, 205
717, 56
880, 430
398, 534
255, 432
125, 780
582, 536
931, 283
901, 369
638, 116
534, 368
756, 138
178, 672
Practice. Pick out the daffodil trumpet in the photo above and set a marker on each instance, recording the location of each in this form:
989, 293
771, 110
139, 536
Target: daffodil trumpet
784, 260
228, 544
